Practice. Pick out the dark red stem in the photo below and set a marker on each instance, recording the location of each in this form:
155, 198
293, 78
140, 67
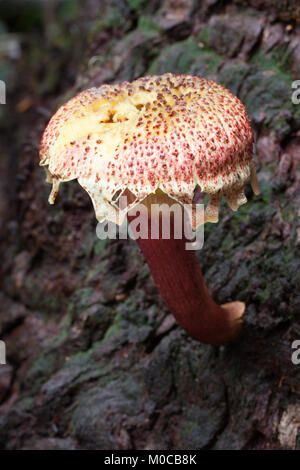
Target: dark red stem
180, 282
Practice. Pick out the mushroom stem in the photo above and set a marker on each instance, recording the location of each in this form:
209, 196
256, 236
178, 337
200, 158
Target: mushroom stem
179, 279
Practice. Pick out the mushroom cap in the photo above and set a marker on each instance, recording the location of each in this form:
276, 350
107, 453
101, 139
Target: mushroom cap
168, 132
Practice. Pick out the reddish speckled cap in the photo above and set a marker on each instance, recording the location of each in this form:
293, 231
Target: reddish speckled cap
168, 132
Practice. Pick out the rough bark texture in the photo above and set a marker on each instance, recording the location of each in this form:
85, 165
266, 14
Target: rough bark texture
94, 359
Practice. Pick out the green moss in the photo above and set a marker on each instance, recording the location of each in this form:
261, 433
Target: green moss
205, 36
188, 429
175, 58
263, 295
130, 310
275, 61
100, 247
266, 194
227, 245
264, 86
39, 370
80, 357
148, 25
214, 59
95, 271
288, 214
135, 5
268, 93
68, 10
112, 19
232, 75
185, 57
282, 56
114, 329
82, 299
63, 334
26, 404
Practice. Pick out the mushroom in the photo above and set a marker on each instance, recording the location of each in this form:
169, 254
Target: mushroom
156, 140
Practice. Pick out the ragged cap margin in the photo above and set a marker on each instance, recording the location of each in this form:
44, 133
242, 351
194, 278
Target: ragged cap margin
171, 133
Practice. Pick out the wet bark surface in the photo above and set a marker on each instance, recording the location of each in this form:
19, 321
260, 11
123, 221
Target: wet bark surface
94, 358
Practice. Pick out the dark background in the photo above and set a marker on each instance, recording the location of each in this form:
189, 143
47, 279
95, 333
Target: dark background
94, 359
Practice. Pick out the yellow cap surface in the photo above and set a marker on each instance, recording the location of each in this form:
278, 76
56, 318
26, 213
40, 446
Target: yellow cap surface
168, 132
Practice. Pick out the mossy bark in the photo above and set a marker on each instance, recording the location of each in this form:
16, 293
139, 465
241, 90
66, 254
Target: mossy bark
95, 359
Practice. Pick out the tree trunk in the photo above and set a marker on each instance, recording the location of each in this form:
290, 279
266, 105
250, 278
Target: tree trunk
94, 357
